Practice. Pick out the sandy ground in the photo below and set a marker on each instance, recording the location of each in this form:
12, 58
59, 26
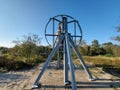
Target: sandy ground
53, 80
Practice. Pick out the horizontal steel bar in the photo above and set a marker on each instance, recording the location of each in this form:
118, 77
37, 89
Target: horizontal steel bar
51, 35
75, 36
56, 19
71, 21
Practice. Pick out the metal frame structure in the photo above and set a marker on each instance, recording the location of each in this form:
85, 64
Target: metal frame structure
68, 43
53, 34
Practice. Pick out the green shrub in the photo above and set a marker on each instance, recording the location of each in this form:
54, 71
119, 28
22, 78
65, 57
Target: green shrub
8, 64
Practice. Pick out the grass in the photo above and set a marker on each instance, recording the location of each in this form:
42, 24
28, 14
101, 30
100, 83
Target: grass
97, 61
101, 61
113, 62
11, 64
108, 64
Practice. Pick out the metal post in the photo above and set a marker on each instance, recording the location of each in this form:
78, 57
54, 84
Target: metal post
59, 59
53, 32
68, 56
81, 59
64, 29
36, 83
64, 25
70, 63
66, 82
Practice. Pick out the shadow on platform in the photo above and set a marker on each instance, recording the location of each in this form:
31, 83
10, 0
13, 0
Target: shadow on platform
87, 85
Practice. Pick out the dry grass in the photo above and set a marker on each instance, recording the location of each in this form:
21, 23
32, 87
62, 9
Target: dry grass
101, 61
53, 79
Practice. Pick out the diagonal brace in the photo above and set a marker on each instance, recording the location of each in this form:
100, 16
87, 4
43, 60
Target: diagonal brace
81, 59
70, 62
36, 83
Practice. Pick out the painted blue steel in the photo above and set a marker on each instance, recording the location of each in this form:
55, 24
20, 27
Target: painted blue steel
36, 84
58, 19
65, 65
63, 15
59, 60
65, 30
53, 31
67, 41
81, 59
70, 63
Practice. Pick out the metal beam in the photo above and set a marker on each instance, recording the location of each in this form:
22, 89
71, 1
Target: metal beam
81, 59
66, 82
70, 63
58, 61
36, 83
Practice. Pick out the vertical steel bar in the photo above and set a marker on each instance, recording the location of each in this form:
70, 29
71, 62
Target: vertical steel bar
80, 30
53, 32
75, 31
64, 29
81, 59
64, 25
65, 65
68, 55
70, 63
58, 61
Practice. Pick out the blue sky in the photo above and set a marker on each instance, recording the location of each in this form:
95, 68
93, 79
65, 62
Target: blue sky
98, 18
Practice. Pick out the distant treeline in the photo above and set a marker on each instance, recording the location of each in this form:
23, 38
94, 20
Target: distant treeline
105, 49
22, 56
27, 53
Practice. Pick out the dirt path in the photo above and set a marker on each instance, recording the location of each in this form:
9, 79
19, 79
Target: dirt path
53, 80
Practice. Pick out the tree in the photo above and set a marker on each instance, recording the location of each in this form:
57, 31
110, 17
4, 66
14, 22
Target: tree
3, 50
27, 46
95, 44
108, 47
96, 49
107, 44
116, 50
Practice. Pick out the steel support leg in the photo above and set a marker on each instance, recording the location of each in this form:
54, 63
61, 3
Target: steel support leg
81, 59
36, 83
58, 61
66, 82
70, 63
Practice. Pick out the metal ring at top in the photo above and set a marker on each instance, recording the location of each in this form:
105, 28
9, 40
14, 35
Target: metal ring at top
57, 18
